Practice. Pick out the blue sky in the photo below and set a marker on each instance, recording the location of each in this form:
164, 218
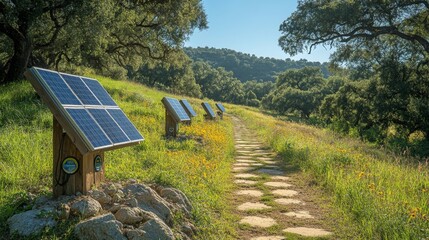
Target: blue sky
249, 26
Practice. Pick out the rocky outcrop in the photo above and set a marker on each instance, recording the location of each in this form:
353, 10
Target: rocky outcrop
130, 211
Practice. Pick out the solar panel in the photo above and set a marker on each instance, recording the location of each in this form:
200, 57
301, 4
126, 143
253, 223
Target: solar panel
85, 109
58, 87
220, 107
89, 127
80, 89
99, 92
208, 109
176, 109
187, 106
125, 124
109, 126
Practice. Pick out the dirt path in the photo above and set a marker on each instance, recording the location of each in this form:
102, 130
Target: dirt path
271, 198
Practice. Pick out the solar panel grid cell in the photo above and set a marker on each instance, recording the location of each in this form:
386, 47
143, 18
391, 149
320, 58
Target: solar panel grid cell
81, 90
98, 90
89, 127
58, 87
188, 106
113, 131
126, 125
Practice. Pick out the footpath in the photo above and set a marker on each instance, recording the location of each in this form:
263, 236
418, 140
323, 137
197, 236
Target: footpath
270, 199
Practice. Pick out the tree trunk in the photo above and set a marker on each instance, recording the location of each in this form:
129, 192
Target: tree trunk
18, 63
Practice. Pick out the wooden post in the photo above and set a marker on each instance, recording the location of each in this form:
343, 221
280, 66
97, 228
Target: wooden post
171, 127
85, 177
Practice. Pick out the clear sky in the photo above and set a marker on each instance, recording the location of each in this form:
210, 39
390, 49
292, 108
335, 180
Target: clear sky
249, 26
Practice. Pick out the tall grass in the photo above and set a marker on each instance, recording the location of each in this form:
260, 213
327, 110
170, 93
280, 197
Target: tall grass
386, 196
198, 162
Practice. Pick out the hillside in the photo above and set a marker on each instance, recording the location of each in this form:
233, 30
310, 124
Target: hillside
364, 192
248, 67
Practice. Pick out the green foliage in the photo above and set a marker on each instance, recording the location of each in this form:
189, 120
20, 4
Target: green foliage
248, 67
198, 163
384, 195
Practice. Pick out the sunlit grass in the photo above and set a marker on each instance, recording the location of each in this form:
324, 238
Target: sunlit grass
198, 162
386, 196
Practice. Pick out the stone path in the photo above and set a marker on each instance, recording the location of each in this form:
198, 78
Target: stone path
270, 202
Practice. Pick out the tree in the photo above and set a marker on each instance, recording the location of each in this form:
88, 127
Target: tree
333, 22
17, 18
298, 90
106, 35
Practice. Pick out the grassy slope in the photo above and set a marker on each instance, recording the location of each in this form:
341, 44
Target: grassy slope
26, 153
385, 196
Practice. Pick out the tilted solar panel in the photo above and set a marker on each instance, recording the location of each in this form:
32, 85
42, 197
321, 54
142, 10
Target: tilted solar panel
187, 106
58, 87
89, 127
80, 89
85, 109
126, 125
109, 126
220, 107
176, 109
99, 91
208, 109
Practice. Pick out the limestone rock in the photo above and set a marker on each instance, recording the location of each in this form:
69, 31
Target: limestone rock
149, 200
63, 211
177, 197
100, 196
131, 216
103, 227
86, 207
156, 229
32, 222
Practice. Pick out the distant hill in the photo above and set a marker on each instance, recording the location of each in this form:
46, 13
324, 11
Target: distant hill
248, 67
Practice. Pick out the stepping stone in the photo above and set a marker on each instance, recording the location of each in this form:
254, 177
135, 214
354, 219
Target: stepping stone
252, 193
242, 169
308, 232
245, 161
265, 158
271, 171
243, 157
257, 164
268, 238
281, 178
245, 182
248, 145
260, 154
246, 175
252, 206
240, 164
278, 184
263, 222
244, 151
299, 214
287, 201
285, 193
268, 161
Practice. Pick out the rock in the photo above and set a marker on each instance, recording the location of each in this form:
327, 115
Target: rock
103, 227
111, 190
156, 229
32, 222
132, 202
132, 181
63, 211
150, 201
132, 216
43, 200
100, 196
177, 197
115, 208
118, 196
135, 234
188, 229
86, 207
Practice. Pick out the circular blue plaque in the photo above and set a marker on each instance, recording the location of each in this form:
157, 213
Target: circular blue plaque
70, 165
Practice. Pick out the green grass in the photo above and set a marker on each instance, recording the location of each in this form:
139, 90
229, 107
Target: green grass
384, 195
26, 155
